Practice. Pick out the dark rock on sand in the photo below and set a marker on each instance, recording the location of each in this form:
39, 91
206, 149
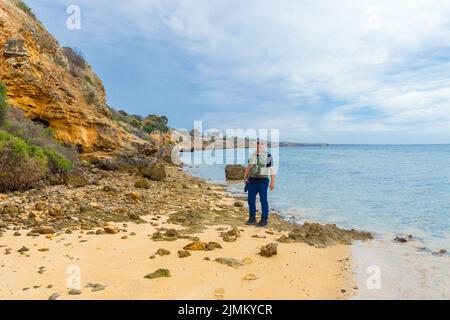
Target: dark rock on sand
23, 249
234, 233
163, 252
169, 235
74, 292
44, 230
400, 240
160, 273
229, 262
213, 246
257, 236
269, 250
95, 287
440, 252
183, 254
227, 238
322, 236
234, 172
239, 204
54, 296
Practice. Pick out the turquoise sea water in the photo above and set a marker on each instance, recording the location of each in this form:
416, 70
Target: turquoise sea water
388, 190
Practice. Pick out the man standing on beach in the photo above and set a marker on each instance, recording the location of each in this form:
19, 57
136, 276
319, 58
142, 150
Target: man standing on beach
259, 168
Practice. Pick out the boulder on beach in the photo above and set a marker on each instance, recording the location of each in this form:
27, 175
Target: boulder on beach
155, 172
234, 172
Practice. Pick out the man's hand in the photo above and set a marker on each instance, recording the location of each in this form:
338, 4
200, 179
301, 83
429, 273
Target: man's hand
272, 185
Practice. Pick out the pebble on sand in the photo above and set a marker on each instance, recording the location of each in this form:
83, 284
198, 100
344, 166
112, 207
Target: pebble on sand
250, 277
74, 292
230, 262
269, 250
163, 252
183, 254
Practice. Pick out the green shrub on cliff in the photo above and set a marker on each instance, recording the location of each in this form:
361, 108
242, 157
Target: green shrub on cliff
28, 150
21, 165
155, 123
61, 158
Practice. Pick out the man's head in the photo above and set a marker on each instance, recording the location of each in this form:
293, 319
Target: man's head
260, 147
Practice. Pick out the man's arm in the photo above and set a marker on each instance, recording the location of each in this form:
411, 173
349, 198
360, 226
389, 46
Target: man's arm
247, 171
271, 173
272, 179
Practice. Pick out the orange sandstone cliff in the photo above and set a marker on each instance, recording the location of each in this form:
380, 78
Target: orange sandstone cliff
56, 87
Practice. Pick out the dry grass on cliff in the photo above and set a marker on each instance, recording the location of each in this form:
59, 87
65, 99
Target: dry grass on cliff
25, 8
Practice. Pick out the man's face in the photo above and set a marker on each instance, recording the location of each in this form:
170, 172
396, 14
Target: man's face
259, 148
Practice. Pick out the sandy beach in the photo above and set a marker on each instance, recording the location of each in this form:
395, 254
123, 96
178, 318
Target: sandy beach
114, 265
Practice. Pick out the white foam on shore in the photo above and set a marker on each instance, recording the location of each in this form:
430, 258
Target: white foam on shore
405, 272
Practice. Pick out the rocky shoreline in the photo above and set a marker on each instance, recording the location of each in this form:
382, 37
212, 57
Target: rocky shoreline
180, 209
108, 196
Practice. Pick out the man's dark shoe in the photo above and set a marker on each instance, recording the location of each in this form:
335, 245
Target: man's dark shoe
251, 221
262, 223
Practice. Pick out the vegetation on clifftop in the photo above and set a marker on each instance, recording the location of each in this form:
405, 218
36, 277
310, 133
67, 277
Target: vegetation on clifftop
139, 125
25, 8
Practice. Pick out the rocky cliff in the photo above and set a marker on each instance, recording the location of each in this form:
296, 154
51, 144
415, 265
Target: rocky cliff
56, 87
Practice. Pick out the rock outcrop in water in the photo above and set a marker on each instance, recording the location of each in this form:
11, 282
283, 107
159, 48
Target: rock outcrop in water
322, 236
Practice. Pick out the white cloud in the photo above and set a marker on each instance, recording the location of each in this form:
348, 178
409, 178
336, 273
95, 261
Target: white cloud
348, 65
359, 53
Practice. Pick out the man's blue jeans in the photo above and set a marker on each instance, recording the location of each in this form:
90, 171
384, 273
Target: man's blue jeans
253, 190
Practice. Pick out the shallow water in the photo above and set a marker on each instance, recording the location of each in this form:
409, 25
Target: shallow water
388, 190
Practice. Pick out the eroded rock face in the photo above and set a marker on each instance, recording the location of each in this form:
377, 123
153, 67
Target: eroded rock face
41, 80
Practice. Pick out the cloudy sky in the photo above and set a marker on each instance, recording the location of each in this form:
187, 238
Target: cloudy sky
347, 71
